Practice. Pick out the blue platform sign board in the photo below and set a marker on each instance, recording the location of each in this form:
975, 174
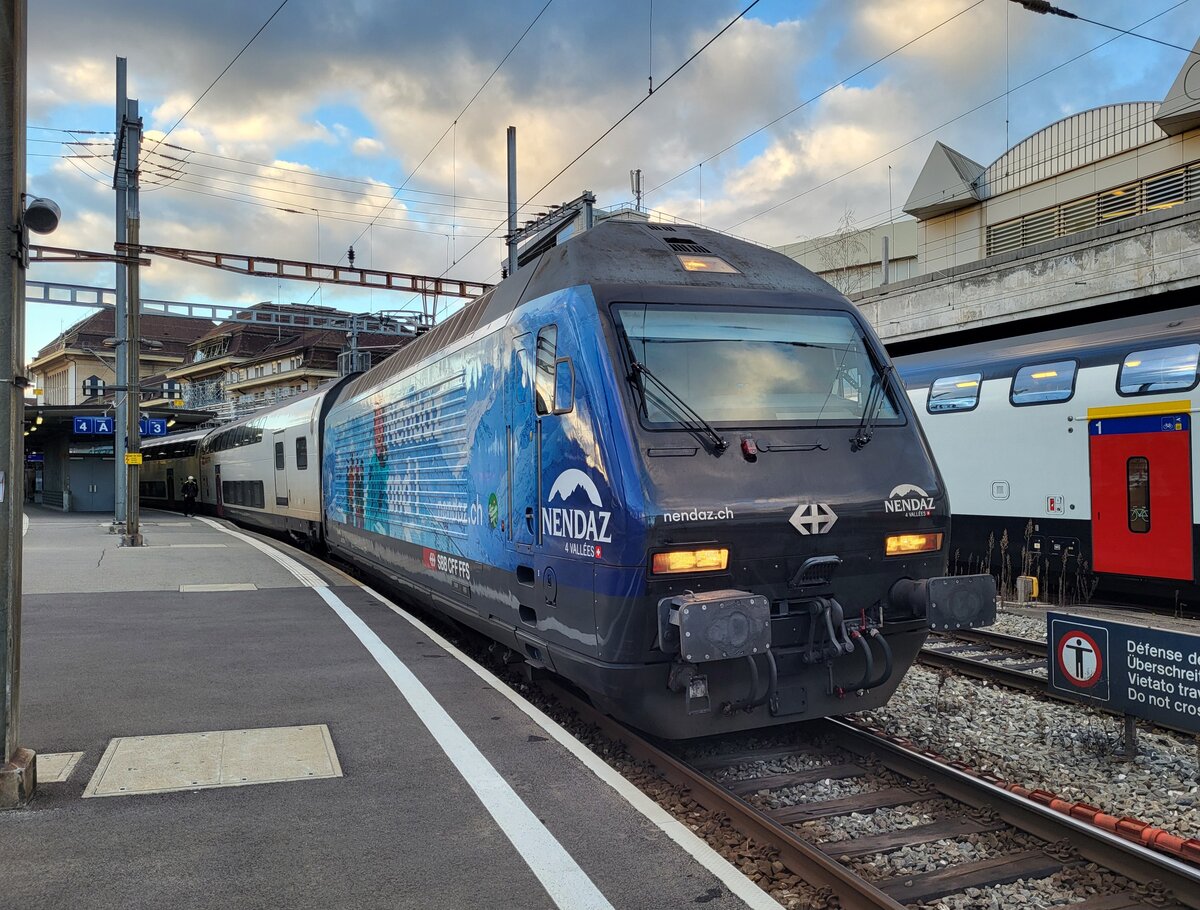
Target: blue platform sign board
104, 426
1144, 672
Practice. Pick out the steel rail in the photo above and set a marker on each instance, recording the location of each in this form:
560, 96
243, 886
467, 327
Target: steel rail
1033, 646
1016, 679
980, 669
1096, 844
803, 859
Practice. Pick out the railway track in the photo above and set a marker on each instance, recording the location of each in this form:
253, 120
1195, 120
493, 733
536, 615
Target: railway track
980, 653
989, 655
884, 774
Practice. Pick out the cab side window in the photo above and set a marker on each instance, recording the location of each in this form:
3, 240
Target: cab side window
547, 349
564, 386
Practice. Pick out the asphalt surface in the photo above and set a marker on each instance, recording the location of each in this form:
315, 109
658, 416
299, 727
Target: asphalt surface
112, 648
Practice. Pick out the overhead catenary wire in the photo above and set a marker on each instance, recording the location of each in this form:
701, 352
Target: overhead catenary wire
1045, 8
946, 123
465, 107
228, 66
819, 95
623, 118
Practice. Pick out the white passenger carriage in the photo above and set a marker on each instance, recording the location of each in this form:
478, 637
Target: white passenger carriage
1068, 453
166, 463
265, 470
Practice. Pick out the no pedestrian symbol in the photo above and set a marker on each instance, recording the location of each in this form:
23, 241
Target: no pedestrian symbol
1080, 659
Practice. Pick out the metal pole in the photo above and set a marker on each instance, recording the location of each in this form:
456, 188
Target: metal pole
133, 335
18, 770
512, 200
120, 184
1131, 746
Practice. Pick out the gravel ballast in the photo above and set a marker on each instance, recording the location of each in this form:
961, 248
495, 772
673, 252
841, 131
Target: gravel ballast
1065, 748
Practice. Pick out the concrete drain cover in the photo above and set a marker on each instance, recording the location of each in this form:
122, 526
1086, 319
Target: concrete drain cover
56, 767
219, 758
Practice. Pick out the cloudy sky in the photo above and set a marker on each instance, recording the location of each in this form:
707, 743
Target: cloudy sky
299, 149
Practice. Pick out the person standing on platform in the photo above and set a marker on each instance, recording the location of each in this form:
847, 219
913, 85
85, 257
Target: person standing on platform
190, 491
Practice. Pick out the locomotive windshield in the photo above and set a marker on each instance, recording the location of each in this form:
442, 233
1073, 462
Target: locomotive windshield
753, 366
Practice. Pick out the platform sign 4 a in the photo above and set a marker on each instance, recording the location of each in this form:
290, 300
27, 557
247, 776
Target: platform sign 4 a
1139, 671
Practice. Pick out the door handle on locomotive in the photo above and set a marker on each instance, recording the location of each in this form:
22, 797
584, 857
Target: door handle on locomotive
529, 518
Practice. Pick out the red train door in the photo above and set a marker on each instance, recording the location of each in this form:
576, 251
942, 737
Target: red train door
1142, 495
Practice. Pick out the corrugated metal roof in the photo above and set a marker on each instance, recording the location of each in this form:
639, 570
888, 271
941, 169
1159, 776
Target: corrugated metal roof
1070, 143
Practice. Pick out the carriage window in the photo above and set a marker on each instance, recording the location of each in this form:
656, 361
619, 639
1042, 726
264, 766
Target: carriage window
301, 453
954, 393
547, 347
279, 464
1137, 475
1160, 370
1044, 382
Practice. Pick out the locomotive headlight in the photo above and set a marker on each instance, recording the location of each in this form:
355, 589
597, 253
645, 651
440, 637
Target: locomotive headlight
904, 544
675, 562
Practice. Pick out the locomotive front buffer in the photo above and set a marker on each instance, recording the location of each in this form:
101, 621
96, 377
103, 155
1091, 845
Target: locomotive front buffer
711, 626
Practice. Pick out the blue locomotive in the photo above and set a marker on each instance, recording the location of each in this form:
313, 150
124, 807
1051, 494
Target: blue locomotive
674, 468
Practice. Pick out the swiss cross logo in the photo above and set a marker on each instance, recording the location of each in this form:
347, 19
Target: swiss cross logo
813, 518
430, 557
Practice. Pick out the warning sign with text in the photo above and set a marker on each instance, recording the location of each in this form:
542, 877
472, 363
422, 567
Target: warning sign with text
1146, 672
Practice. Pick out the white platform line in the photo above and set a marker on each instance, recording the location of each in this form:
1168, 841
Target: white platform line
566, 883
691, 843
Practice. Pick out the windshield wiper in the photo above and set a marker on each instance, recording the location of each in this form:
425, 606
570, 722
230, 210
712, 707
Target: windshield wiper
875, 396
637, 370
685, 409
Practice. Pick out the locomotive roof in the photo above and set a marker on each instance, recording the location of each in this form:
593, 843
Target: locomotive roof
615, 252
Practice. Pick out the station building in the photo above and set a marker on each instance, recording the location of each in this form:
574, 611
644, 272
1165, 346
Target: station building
1100, 209
193, 373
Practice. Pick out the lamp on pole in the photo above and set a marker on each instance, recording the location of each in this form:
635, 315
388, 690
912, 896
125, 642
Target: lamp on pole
18, 766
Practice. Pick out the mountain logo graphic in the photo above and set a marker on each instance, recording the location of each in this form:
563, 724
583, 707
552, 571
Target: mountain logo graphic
907, 489
582, 528
571, 480
909, 499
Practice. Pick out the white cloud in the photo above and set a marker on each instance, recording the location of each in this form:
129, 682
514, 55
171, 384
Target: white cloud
580, 68
367, 147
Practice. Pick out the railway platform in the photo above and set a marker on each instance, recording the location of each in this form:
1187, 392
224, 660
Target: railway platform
221, 720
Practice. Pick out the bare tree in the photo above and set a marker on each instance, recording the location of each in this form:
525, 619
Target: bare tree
844, 255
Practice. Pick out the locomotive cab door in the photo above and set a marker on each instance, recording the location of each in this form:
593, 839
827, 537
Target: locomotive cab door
523, 462
1141, 483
